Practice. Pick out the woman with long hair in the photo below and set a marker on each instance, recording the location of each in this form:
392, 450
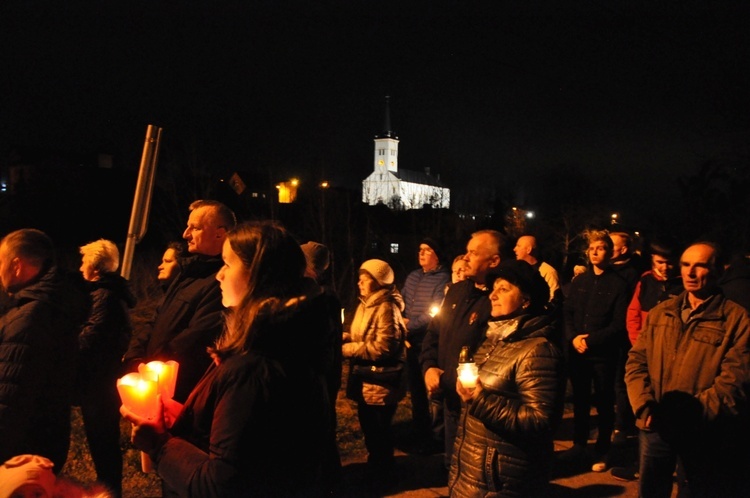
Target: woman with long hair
262, 400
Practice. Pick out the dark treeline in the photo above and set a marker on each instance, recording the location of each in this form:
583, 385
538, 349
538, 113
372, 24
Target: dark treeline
87, 203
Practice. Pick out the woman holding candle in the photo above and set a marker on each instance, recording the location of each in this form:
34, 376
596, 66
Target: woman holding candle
504, 445
261, 401
375, 341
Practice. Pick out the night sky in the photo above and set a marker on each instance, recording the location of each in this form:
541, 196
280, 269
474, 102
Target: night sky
632, 93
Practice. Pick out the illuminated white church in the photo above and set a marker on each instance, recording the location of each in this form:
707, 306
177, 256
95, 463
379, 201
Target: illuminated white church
400, 188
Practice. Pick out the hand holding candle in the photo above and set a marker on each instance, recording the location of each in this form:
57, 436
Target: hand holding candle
142, 406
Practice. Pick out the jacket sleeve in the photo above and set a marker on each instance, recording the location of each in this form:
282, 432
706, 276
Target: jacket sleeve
728, 395
428, 358
90, 336
190, 471
633, 316
640, 392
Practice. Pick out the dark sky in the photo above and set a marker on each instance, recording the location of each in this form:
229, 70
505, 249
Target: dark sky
481, 92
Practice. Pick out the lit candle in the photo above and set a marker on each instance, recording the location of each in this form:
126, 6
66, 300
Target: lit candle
434, 310
138, 394
468, 374
342, 315
166, 375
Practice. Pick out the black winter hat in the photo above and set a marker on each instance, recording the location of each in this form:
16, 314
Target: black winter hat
434, 245
525, 277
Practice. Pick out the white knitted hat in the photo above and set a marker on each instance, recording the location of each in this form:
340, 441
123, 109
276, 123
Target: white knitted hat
26, 469
380, 271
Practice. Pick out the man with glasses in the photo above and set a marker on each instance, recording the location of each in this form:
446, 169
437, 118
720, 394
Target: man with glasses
188, 319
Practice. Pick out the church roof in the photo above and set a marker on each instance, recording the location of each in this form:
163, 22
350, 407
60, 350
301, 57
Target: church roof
417, 177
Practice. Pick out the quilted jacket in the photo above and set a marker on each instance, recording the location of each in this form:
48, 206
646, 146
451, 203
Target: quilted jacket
504, 443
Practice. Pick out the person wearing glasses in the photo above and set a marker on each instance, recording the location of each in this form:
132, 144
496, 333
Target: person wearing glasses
189, 318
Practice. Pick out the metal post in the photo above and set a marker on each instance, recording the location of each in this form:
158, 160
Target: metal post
142, 200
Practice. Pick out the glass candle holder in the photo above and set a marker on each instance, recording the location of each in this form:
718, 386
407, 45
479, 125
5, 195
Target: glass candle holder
468, 373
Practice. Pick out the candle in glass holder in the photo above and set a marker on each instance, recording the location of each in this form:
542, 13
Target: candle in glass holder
468, 373
166, 375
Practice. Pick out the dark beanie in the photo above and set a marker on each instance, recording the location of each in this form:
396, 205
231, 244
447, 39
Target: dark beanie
435, 246
525, 277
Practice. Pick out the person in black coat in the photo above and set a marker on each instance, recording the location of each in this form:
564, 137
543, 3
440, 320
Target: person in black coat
257, 423
38, 332
101, 344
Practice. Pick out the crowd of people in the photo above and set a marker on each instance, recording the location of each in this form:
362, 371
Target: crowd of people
660, 352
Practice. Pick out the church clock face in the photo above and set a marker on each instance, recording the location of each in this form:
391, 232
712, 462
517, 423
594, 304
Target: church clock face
380, 162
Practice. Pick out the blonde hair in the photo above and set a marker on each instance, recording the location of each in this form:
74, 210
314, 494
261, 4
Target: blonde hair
104, 255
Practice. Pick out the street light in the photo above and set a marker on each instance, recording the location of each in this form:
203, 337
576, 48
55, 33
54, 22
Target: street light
614, 218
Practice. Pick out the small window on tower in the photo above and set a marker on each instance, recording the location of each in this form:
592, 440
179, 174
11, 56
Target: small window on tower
394, 248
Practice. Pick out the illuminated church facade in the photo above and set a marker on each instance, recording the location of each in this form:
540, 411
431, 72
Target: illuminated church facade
400, 188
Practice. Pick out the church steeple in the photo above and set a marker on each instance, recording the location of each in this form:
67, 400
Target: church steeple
386, 145
387, 130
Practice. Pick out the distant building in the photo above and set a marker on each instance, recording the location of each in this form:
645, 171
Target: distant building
400, 189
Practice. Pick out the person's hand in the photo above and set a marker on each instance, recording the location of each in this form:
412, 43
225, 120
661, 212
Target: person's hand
432, 379
146, 435
579, 343
172, 410
467, 394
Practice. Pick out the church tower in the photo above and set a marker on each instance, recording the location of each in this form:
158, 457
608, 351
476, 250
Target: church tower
386, 145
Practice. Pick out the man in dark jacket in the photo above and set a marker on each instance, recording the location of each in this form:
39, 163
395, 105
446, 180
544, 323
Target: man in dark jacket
38, 343
189, 318
460, 322
423, 292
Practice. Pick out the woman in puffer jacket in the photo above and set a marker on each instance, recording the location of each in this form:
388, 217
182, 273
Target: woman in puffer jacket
504, 444
375, 342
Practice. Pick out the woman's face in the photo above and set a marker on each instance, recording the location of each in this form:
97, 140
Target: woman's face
87, 268
506, 298
367, 285
233, 277
168, 267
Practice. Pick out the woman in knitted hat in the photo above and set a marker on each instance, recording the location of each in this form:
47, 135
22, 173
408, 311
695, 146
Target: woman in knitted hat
375, 347
504, 445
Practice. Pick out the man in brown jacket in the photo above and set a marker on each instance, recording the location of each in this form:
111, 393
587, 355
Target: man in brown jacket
687, 378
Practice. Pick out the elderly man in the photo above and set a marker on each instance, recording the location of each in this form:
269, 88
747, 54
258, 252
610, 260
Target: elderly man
38, 344
423, 292
188, 319
461, 321
687, 377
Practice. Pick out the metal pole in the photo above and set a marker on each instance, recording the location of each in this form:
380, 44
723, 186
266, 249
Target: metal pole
142, 200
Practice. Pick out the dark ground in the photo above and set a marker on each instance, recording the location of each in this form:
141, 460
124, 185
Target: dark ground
419, 476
